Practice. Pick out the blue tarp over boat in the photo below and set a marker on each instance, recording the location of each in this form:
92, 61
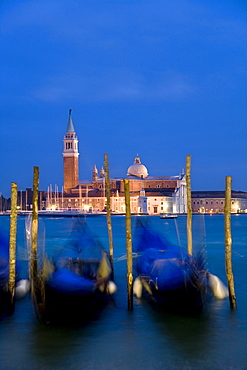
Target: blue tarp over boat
4, 258
68, 282
168, 273
78, 266
76, 279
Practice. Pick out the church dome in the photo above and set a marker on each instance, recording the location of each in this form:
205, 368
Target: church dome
137, 169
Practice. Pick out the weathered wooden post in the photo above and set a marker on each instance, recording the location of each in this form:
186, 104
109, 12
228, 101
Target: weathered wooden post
228, 243
189, 206
128, 245
12, 248
108, 208
34, 239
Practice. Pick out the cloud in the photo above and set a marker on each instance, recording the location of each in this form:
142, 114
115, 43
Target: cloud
107, 85
97, 20
28, 14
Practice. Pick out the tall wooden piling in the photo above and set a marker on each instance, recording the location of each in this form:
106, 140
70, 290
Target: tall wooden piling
108, 208
189, 206
228, 243
128, 245
12, 248
34, 243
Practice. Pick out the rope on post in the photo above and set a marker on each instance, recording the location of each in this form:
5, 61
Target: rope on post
189, 207
128, 246
228, 243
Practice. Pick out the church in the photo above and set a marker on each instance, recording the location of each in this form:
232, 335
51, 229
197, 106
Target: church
148, 194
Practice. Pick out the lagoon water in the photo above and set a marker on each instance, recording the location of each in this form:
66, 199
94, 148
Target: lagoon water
147, 338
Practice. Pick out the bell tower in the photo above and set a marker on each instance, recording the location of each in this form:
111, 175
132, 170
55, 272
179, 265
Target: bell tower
95, 173
70, 157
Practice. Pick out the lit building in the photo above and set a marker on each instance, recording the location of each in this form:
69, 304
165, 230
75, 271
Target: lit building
148, 194
214, 201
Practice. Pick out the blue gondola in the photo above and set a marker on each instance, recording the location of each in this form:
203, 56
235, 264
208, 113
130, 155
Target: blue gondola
4, 270
21, 287
167, 273
77, 281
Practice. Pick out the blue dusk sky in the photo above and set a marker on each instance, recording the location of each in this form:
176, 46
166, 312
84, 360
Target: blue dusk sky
159, 78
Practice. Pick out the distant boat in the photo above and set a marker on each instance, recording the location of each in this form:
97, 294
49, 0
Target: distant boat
168, 215
60, 213
76, 281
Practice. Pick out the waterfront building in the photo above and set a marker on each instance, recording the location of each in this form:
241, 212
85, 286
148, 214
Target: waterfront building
202, 202
214, 201
148, 194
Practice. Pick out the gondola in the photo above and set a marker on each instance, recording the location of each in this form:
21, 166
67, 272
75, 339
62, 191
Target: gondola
21, 285
4, 271
168, 275
77, 280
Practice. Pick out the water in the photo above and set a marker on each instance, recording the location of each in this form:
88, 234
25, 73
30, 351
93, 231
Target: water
147, 338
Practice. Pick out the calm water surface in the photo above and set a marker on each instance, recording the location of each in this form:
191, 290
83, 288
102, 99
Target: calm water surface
147, 338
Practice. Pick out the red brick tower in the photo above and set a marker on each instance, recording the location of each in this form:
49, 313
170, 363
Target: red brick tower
70, 157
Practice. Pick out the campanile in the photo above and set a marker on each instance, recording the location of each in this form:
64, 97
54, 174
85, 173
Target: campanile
70, 157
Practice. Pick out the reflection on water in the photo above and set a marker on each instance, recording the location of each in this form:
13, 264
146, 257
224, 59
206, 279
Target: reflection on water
148, 337
189, 335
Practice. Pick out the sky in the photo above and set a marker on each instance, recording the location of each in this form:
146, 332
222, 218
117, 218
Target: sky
162, 78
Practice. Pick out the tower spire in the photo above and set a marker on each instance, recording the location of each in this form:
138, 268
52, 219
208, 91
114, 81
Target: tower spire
70, 126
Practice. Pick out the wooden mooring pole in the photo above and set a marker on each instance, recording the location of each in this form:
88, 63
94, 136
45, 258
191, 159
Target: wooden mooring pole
189, 206
12, 248
128, 245
108, 209
34, 243
228, 243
